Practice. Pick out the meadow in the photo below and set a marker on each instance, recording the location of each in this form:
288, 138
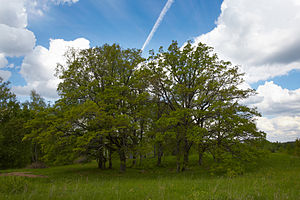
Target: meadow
275, 177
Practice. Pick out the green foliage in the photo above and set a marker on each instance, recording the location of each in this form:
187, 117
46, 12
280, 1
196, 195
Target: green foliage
102, 106
228, 165
113, 102
13, 151
291, 148
202, 98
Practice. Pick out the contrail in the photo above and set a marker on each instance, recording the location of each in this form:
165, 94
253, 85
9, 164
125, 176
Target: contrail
158, 21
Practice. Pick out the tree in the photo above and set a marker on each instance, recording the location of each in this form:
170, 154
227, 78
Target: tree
104, 78
13, 152
199, 90
35, 125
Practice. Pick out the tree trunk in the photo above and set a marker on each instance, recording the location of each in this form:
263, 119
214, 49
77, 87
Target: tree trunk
159, 153
187, 147
100, 164
185, 161
109, 159
178, 156
200, 158
133, 160
122, 160
101, 159
141, 158
200, 154
178, 163
35, 152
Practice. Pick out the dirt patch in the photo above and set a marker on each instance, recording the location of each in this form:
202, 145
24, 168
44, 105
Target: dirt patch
25, 174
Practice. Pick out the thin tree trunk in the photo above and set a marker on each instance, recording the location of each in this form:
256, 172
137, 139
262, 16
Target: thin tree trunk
122, 160
133, 160
200, 154
187, 147
35, 152
185, 161
178, 156
141, 158
159, 153
101, 159
109, 159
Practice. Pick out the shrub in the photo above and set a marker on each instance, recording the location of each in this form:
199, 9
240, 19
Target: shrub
228, 166
37, 165
82, 160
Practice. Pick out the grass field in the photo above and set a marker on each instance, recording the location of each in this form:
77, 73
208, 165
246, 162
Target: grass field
275, 177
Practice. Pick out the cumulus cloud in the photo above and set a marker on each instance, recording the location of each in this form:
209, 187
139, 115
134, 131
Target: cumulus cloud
280, 108
5, 74
262, 36
281, 128
13, 13
38, 67
273, 100
15, 39
3, 61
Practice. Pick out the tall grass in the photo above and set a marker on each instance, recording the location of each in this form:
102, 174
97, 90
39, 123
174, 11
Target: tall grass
276, 177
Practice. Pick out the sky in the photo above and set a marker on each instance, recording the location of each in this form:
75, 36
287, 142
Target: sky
260, 36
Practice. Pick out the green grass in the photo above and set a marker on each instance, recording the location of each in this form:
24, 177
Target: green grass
275, 177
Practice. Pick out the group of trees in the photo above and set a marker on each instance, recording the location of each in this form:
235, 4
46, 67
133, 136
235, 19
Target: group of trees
14, 152
115, 102
292, 148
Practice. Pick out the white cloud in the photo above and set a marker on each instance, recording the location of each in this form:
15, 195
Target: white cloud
64, 1
261, 35
38, 67
273, 100
16, 41
281, 110
5, 74
3, 61
38, 7
13, 13
282, 128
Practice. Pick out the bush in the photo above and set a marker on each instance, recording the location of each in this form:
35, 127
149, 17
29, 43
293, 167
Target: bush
82, 160
228, 166
37, 165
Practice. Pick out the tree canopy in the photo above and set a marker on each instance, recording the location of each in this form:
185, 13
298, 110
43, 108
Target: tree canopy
113, 102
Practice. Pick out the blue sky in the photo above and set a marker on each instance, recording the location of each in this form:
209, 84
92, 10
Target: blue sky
264, 42
127, 22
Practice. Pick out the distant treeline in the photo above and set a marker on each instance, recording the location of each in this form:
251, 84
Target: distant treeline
292, 148
113, 102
